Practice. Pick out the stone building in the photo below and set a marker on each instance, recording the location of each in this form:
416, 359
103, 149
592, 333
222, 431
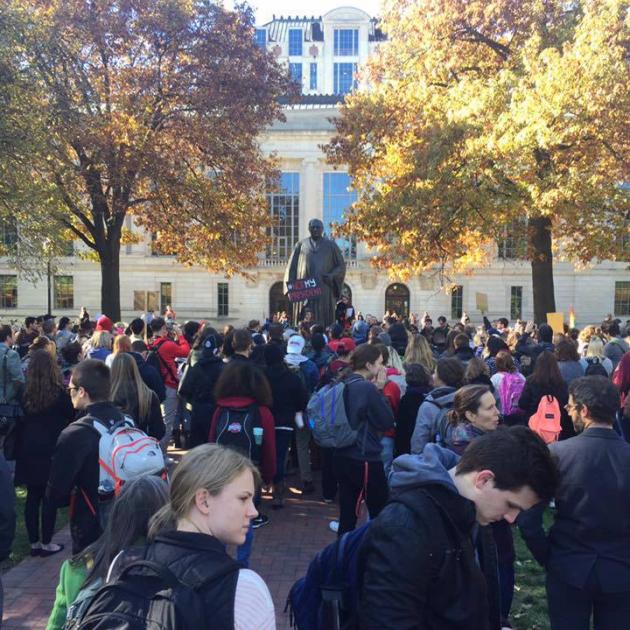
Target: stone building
323, 53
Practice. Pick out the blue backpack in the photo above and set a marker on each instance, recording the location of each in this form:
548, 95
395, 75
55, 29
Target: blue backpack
327, 597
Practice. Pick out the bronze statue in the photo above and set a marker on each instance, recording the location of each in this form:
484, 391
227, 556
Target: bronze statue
320, 258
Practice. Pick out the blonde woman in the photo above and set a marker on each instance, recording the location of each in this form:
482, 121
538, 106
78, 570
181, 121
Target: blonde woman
419, 351
99, 346
594, 353
585, 336
122, 343
211, 506
130, 394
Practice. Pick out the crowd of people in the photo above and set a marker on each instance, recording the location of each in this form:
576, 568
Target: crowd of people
461, 431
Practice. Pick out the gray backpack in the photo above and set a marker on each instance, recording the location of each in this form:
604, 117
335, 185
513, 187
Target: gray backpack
328, 419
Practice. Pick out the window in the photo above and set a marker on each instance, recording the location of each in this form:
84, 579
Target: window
346, 42
313, 77
8, 236
8, 291
223, 303
260, 37
166, 295
295, 42
63, 289
457, 302
397, 300
337, 199
622, 298
278, 301
344, 81
513, 244
516, 302
295, 72
284, 207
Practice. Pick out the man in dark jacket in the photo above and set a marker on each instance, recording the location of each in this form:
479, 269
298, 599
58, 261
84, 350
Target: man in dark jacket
527, 350
587, 551
149, 374
74, 471
418, 564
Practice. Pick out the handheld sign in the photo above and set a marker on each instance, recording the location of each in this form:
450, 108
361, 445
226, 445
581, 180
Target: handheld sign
556, 321
482, 302
304, 289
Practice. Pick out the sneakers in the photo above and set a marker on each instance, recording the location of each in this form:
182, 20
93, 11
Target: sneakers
259, 521
333, 526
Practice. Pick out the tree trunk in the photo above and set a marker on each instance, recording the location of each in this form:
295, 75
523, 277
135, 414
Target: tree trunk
541, 256
110, 279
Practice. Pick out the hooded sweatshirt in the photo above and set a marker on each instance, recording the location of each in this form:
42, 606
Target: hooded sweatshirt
429, 413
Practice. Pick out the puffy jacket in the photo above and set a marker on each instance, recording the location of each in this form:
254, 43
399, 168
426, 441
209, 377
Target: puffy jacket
14, 377
428, 416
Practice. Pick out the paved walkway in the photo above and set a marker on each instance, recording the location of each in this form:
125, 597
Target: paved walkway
282, 551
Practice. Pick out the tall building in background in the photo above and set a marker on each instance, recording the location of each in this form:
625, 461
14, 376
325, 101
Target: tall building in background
323, 54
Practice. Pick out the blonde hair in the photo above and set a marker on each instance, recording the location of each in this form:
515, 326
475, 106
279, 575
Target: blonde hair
419, 351
595, 348
122, 343
101, 339
588, 333
209, 466
128, 390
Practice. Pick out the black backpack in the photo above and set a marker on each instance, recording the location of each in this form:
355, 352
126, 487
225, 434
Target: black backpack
595, 367
155, 359
148, 596
235, 429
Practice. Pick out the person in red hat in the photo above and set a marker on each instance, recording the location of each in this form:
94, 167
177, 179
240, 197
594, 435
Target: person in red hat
104, 323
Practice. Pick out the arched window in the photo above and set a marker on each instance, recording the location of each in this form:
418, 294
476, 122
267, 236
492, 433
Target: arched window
347, 292
397, 299
278, 301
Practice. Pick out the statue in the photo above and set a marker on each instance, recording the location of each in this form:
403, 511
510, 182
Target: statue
320, 258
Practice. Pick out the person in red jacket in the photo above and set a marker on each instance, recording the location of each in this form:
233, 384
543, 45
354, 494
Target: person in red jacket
168, 347
244, 386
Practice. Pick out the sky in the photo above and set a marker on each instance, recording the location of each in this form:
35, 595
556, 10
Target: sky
266, 8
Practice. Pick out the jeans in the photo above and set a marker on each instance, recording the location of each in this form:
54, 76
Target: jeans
351, 475
570, 608
35, 501
170, 409
303, 442
387, 454
283, 441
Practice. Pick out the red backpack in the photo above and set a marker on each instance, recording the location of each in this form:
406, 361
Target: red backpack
546, 420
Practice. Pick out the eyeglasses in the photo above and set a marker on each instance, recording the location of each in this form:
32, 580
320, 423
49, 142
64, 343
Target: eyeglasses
571, 406
71, 389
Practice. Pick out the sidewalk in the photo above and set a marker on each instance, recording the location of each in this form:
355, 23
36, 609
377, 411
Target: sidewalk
282, 551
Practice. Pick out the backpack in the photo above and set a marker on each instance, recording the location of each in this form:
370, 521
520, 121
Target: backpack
148, 596
328, 419
546, 420
155, 359
510, 390
76, 610
442, 423
235, 429
595, 367
327, 597
124, 452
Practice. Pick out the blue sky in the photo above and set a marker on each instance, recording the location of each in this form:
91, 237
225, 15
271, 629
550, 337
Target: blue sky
266, 8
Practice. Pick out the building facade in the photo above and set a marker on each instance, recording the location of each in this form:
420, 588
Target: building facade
323, 54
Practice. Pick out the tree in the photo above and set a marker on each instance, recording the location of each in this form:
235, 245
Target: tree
483, 112
150, 109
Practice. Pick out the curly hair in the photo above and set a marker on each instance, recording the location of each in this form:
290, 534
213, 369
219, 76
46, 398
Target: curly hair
44, 382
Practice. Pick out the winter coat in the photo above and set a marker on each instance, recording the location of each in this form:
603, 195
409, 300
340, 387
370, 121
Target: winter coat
170, 350
150, 376
428, 416
153, 423
289, 395
407, 414
570, 370
37, 435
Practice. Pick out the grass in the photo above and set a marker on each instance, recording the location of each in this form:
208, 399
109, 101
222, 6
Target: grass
529, 609
21, 546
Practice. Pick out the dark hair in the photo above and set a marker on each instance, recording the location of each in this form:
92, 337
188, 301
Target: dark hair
450, 371
317, 328
138, 346
44, 382
474, 369
546, 371
28, 321
336, 331
598, 394
365, 354
253, 323
241, 340
5, 332
93, 375
517, 456
611, 328
190, 329
417, 374
244, 379
442, 319
274, 354
566, 350
467, 398
63, 322
461, 340
207, 335
495, 344
505, 362
545, 333
276, 331
450, 340
157, 323
136, 326
318, 343
384, 352
504, 321
227, 349
71, 352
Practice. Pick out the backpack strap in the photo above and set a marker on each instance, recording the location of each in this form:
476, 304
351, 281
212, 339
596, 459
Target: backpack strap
158, 344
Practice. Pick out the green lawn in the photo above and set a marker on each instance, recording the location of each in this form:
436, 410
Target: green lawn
21, 546
529, 610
